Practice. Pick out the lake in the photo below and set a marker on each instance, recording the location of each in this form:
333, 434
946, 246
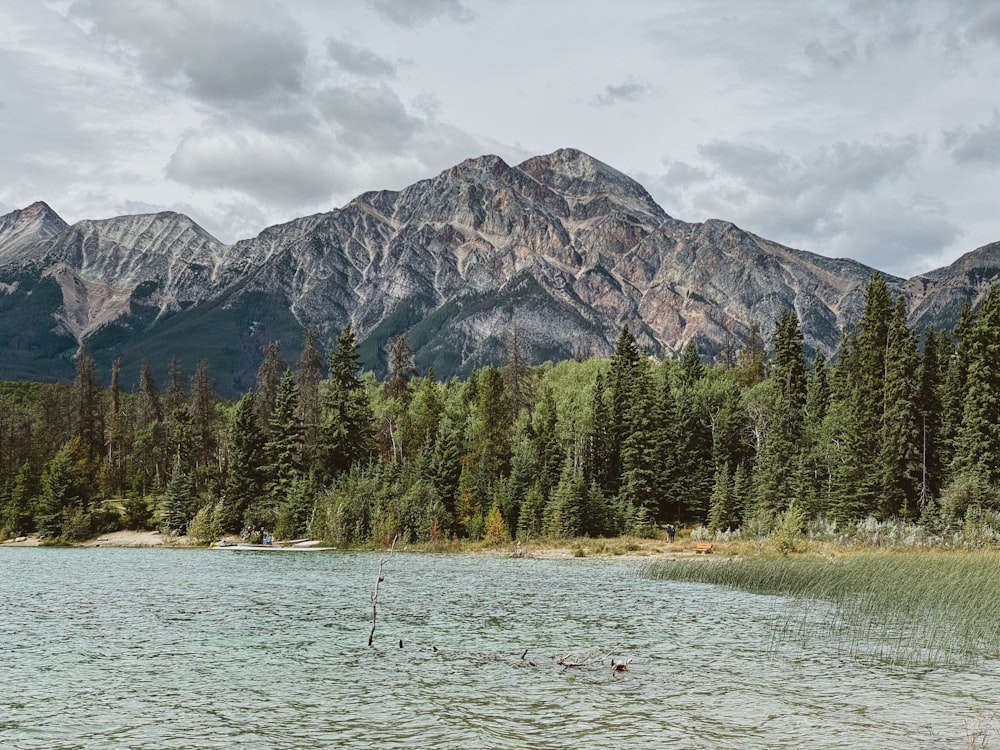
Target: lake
196, 648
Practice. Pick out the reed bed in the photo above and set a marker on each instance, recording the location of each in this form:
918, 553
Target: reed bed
909, 609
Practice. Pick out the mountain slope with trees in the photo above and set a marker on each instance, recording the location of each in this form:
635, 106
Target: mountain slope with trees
904, 425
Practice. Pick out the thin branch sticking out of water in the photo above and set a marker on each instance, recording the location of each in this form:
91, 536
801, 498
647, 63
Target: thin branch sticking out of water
378, 579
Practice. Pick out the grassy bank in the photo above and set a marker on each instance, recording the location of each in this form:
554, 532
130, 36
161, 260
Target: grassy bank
906, 608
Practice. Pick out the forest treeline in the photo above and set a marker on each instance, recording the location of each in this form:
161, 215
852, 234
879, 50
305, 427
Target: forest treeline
900, 426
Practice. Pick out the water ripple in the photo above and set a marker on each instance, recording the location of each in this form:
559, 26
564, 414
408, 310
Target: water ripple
200, 649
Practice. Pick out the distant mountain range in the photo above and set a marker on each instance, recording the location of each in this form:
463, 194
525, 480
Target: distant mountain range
563, 247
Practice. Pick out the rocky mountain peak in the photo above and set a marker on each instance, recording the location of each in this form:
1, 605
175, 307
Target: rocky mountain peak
25, 228
580, 177
562, 246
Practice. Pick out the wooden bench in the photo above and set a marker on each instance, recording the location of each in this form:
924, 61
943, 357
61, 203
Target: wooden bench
703, 548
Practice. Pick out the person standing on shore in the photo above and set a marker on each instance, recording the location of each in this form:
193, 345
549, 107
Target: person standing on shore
671, 533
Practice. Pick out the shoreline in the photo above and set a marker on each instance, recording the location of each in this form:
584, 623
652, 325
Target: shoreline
621, 548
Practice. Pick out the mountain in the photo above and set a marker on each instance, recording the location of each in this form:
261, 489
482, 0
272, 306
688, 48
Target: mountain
562, 246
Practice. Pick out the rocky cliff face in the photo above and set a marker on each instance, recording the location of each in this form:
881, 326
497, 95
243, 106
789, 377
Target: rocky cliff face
562, 246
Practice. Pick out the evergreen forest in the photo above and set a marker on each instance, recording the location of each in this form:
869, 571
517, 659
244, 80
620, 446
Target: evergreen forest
902, 425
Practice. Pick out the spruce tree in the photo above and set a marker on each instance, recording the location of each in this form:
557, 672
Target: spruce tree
694, 470
401, 368
283, 449
597, 450
150, 409
244, 480
548, 453
347, 427
179, 499
203, 404
308, 376
491, 425
622, 388
978, 440
900, 455
90, 428
954, 389
516, 374
640, 465
929, 415
175, 387
723, 513
861, 379
665, 426
781, 449
63, 493
268, 376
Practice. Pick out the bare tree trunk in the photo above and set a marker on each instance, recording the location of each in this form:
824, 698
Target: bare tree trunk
378, 580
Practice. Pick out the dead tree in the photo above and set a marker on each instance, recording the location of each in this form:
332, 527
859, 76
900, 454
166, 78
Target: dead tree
378, 579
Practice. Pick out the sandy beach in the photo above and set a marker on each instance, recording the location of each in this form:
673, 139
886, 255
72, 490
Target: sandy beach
113, 539
595, 548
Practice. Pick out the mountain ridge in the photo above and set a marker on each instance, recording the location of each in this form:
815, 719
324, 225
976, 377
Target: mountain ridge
563, 246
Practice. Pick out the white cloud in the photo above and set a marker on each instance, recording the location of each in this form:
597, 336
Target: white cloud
804, 123
284, 170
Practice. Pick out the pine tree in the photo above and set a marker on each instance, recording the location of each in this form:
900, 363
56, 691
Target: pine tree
268, 376
861, 380
516, 374
622, 388
900, 453
566, 511
694, 470
531, 520
751, 364
597, 450
640, 466
296, 510
346, 432
548, 453
63, 494
446, 466
18, 516
954, 390
930, 415
283, 449
150, 411
90, 428
244, 479
816, 465
978, 440
180, 497
175, 387
115, 431
491, 425
667, 441
401, 368
308, 376
203, 414
780, 451
723, 513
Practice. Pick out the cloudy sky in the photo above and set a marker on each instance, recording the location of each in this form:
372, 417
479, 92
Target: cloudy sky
868, 130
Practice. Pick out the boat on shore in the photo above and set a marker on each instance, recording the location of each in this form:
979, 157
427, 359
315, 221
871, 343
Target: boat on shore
297, 545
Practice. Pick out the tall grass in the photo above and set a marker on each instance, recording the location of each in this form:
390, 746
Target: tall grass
910, 609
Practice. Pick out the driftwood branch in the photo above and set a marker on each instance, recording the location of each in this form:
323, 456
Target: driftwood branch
378, 579
587, 659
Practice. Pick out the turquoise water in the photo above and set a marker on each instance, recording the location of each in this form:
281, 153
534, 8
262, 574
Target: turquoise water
161, 648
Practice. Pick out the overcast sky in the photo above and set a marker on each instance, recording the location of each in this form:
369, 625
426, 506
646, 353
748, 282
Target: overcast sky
868, 130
